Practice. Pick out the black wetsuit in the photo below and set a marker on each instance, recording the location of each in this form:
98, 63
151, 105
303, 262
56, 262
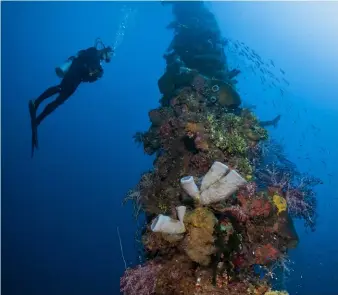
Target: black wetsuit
86, 67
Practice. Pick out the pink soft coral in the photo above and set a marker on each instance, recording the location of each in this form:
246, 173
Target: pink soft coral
140, 280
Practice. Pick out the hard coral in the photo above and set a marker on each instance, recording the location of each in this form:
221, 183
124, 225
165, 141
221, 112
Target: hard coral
200, 163
258, 290
235, 143
244, 166
167, 129
228, 97
156, 118
156, 243
226, 134
201, 143
199, 83
193, 128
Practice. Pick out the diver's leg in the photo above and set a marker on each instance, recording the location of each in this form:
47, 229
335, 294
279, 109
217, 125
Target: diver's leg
48, 93
32, 113
66, 91
33, 106
51, 107
47, 110
66, 88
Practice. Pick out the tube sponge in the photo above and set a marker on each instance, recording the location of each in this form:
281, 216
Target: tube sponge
217, 184
167, 225
214, 174
223, 188
189, 186
181, 212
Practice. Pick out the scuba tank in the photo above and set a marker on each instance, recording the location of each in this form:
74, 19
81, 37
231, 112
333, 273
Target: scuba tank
63, 69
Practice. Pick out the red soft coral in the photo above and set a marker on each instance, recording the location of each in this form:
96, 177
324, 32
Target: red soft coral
255, 207
237, 212
260, 208
266, 254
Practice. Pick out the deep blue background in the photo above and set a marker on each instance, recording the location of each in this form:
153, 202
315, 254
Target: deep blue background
61, 208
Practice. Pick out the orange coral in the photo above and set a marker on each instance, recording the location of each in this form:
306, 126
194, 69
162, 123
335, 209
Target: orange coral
193, 127
199, 245
201, 145
199, 241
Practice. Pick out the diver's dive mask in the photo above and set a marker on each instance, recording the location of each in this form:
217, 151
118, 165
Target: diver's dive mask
107, 53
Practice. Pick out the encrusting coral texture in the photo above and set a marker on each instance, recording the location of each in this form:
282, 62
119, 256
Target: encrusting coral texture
218, 213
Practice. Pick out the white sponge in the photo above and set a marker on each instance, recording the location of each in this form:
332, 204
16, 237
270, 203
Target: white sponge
190, 187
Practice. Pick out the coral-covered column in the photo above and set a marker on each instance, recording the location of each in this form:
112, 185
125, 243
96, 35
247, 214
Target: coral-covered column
214, 226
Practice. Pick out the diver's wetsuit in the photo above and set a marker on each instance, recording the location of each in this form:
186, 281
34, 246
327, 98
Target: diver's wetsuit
86, 67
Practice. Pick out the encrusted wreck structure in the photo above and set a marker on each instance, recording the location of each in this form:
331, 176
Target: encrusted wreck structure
220, 199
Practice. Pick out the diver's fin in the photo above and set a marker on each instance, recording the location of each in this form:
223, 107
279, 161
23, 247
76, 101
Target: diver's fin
34, 128
33, 143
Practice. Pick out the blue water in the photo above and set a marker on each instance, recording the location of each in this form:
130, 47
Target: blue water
60, 209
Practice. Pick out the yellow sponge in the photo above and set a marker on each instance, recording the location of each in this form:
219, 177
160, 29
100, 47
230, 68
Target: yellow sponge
280, 203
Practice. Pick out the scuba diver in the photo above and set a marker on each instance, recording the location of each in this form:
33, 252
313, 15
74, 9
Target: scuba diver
86, 66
